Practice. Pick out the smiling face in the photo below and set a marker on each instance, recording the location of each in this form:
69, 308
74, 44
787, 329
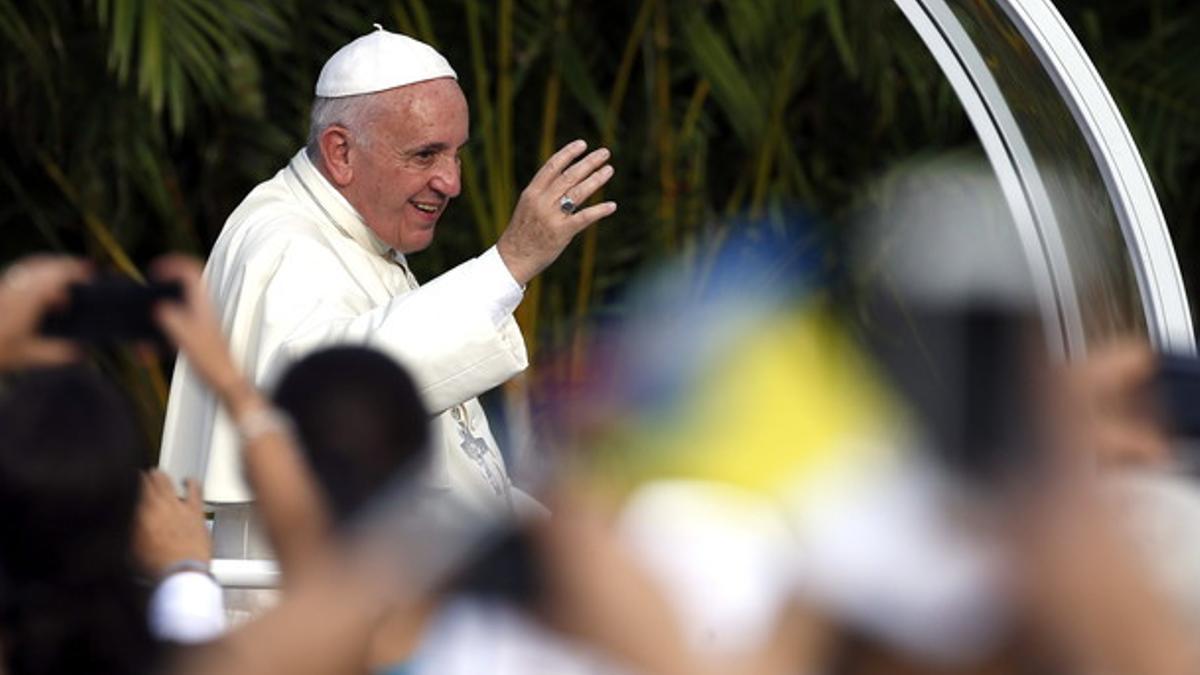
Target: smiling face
401, 180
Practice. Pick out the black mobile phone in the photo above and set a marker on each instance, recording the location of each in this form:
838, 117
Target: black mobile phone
111, 310
966, 371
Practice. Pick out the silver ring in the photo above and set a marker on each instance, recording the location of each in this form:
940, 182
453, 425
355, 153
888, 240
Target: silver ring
566, 205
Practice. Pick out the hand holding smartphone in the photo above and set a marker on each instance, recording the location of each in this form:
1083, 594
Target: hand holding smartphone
109, 309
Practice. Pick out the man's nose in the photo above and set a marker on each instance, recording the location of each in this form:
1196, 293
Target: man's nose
447, 178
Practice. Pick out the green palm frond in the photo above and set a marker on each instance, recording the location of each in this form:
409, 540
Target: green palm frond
180, 52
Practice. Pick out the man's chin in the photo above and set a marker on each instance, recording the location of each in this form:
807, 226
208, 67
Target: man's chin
416, 242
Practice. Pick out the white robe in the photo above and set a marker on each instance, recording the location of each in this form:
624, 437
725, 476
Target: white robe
295, 269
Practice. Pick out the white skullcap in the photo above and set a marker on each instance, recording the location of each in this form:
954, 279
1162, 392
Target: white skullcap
380, 60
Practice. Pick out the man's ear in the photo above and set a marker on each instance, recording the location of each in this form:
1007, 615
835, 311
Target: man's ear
335, 154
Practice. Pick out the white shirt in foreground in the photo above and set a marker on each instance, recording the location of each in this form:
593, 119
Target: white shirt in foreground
187, 607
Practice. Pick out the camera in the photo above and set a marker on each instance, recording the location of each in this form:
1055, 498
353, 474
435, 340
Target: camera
111, 309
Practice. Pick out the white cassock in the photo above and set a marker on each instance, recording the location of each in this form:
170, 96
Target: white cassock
296, 269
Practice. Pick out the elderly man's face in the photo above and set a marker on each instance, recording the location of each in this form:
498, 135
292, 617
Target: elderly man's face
409, 171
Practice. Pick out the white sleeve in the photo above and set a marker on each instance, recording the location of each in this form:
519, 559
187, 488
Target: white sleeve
187, 607
506, 293
455, 335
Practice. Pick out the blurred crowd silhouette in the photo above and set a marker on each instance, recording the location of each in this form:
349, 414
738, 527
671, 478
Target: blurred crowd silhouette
762, 471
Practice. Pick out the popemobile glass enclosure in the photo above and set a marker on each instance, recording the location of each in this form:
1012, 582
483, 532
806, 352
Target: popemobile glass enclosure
1084, 209
1076, 191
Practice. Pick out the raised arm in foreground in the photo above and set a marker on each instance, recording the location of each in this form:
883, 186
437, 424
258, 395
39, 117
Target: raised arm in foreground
288, 497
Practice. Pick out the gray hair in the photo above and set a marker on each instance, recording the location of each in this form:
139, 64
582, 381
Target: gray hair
351, 112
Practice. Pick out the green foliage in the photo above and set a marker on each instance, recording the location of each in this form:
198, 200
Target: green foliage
189, 49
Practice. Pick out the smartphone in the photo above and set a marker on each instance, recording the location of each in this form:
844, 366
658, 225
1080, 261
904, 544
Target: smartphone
111, 309
966, 373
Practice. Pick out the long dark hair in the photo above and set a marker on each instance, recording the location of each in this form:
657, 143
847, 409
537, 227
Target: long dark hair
70, 599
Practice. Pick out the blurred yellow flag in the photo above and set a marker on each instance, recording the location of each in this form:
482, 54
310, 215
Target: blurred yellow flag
787, 403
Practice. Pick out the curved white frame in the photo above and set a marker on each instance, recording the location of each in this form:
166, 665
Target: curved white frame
1013, 164
1164, 299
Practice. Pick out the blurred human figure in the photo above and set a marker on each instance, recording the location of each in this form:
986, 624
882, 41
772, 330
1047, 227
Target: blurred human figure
918, 550
73, 595
76, 594
1089, 592
69, 459
365, 434
360, 421
346, 602
329, 607
294, 513
342, 607
173, 546
363, 428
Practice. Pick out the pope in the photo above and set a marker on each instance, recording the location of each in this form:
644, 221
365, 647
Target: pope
316, 255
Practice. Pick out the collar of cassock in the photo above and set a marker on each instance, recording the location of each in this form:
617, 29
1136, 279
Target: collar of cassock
340, 213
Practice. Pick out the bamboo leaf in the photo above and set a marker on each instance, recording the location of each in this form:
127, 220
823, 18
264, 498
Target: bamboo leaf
124, 23
579, 80
99, 231
404, 20
423, 21
621, 79
505, 164
715, 61
837, 30
151, 71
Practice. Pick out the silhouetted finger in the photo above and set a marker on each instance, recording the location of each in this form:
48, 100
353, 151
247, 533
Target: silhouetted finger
48, 352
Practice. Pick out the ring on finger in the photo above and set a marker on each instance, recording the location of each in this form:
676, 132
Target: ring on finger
567, 205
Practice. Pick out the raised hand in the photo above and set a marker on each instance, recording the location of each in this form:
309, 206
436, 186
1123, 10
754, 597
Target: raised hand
288, 497
546, 219
193, 325
27, 291
169, 530
1112, 408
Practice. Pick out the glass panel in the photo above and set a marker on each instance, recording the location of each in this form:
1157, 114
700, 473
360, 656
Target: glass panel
1099, 260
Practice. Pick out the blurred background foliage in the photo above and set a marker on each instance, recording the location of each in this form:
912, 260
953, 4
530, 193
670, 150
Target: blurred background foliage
133, 127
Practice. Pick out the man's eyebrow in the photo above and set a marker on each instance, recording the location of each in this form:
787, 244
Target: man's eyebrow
428, 147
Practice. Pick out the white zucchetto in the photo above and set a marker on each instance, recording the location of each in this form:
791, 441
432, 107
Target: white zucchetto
380, 60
